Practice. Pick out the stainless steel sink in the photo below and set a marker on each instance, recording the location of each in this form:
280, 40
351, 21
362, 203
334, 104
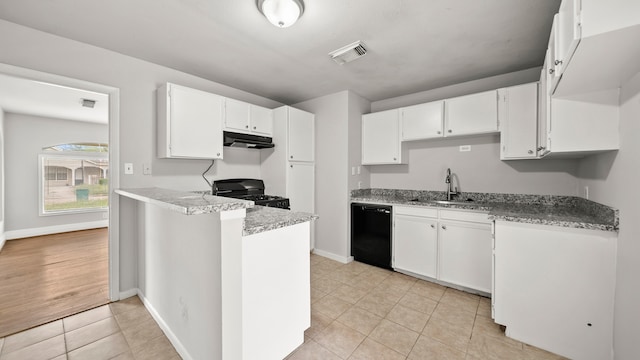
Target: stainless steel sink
443, 202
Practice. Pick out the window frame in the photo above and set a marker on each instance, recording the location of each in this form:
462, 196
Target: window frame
41, 181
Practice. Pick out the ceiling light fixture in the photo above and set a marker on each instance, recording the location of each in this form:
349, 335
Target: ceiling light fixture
281, 13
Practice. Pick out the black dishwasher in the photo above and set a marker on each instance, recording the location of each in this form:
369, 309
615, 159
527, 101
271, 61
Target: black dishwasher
371, 234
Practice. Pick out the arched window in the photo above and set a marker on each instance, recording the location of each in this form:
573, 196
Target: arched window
74, 178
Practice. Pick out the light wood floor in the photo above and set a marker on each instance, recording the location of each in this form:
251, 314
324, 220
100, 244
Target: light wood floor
46, 278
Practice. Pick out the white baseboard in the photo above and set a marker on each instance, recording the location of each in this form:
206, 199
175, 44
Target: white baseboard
332, 256
128, 293
165, 328
55, 229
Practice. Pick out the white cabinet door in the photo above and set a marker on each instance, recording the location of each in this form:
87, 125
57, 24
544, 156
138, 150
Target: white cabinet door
422, 121
518, 122
415, 245
261, 120
381, 138
554, 287
544, 109
236, 115
472, 114
300, 186
568, 33
189, 123
465, 252
301, 140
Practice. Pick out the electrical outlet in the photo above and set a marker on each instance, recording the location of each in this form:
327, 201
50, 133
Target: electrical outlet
146, 169
465, 148
128, 168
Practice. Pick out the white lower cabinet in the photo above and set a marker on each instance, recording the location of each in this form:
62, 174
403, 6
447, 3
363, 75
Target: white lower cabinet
415, 246
465, 254
554, 287
451, 246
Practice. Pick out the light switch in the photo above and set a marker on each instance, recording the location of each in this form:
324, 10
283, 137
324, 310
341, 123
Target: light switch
128, 168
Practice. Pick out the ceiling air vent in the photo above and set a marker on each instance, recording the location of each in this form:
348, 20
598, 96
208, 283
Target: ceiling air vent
348, 53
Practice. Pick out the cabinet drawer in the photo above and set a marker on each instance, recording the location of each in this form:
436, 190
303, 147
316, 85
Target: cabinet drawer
475, 216
416, 211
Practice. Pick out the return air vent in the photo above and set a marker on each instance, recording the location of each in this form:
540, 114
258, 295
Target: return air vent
348, 53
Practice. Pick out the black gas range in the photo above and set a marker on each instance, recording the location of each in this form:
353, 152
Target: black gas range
248, 189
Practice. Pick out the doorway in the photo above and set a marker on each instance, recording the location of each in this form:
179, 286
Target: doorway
110, 179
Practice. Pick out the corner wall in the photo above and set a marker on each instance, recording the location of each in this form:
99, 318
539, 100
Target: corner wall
2, 235
613, 180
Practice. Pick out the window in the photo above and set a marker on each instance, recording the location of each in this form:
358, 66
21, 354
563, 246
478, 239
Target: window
74, 178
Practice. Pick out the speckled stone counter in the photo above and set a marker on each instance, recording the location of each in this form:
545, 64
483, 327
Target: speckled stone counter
566, 211
184, 202
262, 218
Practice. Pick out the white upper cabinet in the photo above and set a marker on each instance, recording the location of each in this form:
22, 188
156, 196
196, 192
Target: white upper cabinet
381, 138
423, 121
189, 123
518, 112
301, 139
567, 33
243, 117
471, 114
261, 120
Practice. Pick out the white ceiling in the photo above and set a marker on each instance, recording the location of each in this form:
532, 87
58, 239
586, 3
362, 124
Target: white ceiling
414, 45
30, 97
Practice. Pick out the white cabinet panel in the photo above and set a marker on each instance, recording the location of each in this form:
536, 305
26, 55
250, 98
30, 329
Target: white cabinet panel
301, 140
300, 186
568, 33
381, 138
472, 114
422, 121
554, 287
189, 123
261, 120
465, 252
236, 115
519, 122
415, 246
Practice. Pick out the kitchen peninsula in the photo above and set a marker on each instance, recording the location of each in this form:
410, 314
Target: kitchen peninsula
225, 279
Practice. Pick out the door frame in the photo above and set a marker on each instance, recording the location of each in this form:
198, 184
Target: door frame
114, 157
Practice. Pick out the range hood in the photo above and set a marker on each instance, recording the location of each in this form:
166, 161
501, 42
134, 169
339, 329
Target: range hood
247, 140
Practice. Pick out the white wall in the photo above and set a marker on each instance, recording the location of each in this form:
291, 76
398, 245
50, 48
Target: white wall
613, 180
26, 135
479, 170
357, 106
137, 81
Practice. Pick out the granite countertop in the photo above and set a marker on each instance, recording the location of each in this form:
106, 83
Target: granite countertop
565, 211
185, 202
262, 218
257, 220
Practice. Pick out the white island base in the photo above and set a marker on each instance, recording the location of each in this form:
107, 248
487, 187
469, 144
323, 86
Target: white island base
218, 294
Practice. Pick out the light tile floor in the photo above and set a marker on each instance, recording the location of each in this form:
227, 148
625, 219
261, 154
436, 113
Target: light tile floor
121, 330
358, 312
362, 312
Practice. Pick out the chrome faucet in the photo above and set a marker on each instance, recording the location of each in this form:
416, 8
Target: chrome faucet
448, 180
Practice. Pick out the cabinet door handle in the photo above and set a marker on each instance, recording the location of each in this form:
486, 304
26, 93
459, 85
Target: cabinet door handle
444, 227
291, 166
439, 132
218, 154
246, 126
433, 226
450, 131
540, 148
551, 71
558, 62
394, 159
291, 156
530, 152
254, 128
